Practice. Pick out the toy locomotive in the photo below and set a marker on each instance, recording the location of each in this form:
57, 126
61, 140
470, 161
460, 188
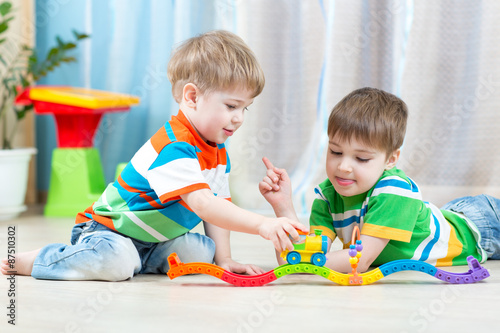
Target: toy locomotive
309, 248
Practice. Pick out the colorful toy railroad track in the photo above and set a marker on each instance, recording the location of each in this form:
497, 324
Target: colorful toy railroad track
476, 272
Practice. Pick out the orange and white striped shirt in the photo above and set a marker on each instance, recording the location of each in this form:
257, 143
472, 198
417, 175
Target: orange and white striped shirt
144, 202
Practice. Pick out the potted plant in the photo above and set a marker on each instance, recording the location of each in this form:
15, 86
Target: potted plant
20, 67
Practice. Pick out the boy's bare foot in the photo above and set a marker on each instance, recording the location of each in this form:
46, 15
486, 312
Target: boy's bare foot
22, 265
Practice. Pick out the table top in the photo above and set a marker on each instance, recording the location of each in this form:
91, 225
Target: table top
81, 97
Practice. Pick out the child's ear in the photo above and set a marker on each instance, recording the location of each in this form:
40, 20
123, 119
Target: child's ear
190, 95
393, 159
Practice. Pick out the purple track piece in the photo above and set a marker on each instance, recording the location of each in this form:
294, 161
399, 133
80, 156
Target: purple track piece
476, 273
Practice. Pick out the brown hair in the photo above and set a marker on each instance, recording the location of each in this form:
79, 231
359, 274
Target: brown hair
216, 60
373, 116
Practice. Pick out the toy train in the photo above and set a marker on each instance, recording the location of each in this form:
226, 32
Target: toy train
309, 248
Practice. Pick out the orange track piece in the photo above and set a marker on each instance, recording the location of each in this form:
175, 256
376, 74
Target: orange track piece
178, 268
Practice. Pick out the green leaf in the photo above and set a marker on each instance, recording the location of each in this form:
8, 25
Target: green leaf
2, 60
68, 59
53, 51
60, 42
24, 81
3, 26
5, 8
69, 46
13, 90
33, 59
79, 36
3, 40
20, 113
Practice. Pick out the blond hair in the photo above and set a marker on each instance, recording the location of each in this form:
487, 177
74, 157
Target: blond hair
216, 60
373, 116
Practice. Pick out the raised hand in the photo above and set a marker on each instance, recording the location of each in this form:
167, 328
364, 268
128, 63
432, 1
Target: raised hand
276, 186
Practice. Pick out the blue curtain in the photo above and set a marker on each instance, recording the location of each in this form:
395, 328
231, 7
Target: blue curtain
130, 45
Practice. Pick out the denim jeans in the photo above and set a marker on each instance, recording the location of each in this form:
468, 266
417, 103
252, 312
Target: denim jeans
99, 253
484, 211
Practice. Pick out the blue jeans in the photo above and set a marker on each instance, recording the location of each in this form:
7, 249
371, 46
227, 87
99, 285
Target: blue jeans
99, 253
484, 211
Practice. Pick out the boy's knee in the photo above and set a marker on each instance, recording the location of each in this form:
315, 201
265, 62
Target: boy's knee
206, 249
196, 248
118, 261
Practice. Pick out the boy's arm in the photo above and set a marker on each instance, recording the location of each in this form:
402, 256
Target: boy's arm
276, 188
224, 214
221, 238
372, 247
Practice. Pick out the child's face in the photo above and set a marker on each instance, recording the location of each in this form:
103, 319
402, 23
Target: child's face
353, 167
219, 114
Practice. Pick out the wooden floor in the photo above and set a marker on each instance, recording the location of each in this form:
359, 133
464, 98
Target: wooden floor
401, 302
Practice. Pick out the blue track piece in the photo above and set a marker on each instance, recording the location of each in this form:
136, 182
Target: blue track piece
407, 265
476, 271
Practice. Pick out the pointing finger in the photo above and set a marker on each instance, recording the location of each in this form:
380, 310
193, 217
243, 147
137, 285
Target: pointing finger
267, 163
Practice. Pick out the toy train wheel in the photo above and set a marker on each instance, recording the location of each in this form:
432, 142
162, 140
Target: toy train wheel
318, 259
293, 258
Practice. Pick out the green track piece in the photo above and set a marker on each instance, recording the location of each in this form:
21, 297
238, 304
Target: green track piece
301, 268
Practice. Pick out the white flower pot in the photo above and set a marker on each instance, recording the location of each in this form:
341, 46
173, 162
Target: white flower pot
14, 165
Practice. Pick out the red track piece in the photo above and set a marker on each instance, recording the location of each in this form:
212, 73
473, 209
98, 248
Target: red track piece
178, 268
248, 280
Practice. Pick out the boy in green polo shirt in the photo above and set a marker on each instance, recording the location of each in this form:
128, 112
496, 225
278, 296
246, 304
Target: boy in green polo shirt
364, 188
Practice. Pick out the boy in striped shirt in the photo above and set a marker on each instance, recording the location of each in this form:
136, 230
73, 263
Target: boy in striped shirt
364, 188
177, 179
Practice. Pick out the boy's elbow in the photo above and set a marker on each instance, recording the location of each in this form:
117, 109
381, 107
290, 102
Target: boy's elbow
364, 265
199, 202
363, 268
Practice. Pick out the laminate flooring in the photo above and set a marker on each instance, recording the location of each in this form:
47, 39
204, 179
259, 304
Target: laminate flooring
400, 302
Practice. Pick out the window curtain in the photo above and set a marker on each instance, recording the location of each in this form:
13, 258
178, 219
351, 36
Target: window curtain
451, 82
440, 57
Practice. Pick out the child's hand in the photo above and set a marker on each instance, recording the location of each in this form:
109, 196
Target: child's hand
235, 267
277, 231
276, 186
